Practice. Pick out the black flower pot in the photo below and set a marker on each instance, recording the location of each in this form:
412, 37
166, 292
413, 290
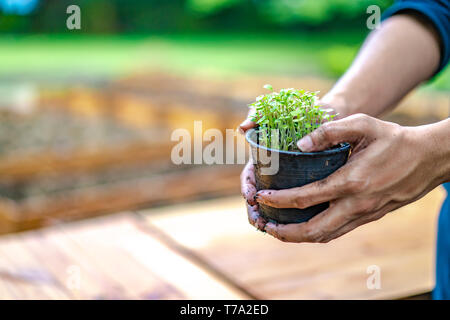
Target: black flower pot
295, 169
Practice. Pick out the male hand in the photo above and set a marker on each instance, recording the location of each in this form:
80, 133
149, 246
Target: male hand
248, 183
389, 167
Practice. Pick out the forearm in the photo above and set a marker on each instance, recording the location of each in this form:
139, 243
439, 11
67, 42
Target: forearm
393, 60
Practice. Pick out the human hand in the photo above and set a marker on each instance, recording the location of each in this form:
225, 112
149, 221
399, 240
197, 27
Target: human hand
248, 191
390, 166
248, 182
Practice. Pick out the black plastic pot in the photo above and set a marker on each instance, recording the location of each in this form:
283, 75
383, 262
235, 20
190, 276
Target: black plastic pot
295, 169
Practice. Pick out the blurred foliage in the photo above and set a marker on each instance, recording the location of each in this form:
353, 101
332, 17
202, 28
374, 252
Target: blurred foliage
222, 54
336, 59
289, 53
207, 7
136, 16
290, 37
318, 11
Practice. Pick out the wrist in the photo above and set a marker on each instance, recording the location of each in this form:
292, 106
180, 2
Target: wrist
434, 143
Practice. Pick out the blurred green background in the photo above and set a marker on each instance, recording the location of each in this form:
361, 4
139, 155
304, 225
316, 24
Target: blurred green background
86, 120
86, 115
217, 37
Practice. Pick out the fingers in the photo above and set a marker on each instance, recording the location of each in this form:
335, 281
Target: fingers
247, 123
342, 217
248, 183
254, 218
345, 181
361, 220
351, 129
350, 226
320, 228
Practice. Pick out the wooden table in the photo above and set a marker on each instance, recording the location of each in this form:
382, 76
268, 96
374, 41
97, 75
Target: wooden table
207, 250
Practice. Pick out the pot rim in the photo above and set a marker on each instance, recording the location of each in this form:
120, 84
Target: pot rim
345, 146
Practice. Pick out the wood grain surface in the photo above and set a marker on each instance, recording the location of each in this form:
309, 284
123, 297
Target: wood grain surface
401, 245
102, 258
207, 250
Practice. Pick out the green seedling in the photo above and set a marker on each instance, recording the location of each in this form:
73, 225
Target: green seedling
285, 117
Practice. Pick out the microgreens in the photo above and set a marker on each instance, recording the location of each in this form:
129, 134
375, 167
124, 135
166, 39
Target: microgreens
285, 117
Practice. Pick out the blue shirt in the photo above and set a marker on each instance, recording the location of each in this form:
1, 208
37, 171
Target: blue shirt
442, 289
438, 13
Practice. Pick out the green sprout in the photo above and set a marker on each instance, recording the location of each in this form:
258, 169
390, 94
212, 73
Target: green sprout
285, 117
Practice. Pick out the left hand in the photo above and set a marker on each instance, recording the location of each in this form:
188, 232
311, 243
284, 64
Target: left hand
389, 167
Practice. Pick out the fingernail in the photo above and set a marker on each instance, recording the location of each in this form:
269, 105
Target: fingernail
262, 227
269, 226
305, 144
245, 124
258, 226
260, 196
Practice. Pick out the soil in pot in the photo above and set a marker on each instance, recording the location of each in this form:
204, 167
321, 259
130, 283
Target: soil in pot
295, 169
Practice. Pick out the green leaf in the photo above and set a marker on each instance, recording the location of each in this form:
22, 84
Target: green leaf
293, 113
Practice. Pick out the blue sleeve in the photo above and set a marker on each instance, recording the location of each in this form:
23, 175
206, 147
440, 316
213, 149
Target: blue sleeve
437, 12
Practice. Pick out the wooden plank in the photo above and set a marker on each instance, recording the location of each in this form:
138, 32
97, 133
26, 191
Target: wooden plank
106, 271
401, 245
92, 201
102, 258
22, 275
81, 161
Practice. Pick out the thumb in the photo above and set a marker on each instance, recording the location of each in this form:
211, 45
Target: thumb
351, 129
247, 123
